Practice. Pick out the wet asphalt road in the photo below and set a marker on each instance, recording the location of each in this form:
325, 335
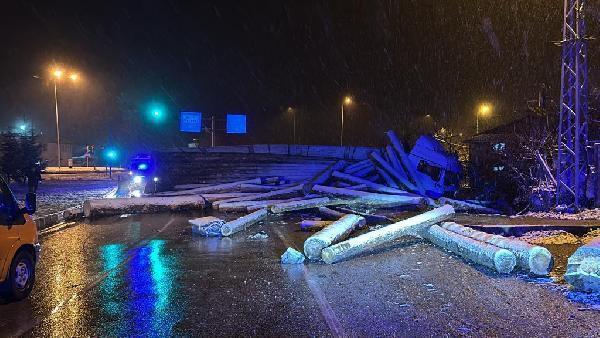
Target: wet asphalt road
148, 276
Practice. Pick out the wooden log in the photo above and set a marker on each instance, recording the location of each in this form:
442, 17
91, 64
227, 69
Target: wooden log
309, 225
267, 204
395, 161
467, 207
217, 197
280, 193
331, 234
405, 161
374, 186
330, 213
583, 268
247, 188
398, 178
502, 260
325, 175
365, 171
117, 206
243, 223
352, 168
371, 219
225, 187
534, 259
387, 178
369, 198
416, 225
301, 204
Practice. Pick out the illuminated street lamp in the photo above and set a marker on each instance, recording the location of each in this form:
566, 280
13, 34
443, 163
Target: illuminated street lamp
293, 112
484, 109
57, 75
347, 101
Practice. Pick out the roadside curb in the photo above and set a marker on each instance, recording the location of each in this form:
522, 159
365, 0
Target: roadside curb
68, 214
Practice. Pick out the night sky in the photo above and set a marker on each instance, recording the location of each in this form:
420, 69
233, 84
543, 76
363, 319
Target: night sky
400, 60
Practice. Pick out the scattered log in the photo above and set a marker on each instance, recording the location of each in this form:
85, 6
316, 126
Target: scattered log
364, 172
368, 198
243, 223
583, 268
386, 177
267, 204
395, 161
280, 193
308, 225
405, 161
534, 259
478, 252
397, 177
416, 225
331, 234
207, 226
301, 204
225, 187
373, 186
217, 197
371, 219
352, 168
247, 188
117, 206
467, 207
325, 175
330, 213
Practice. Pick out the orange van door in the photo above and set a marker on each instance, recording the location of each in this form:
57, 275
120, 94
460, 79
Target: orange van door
9, 234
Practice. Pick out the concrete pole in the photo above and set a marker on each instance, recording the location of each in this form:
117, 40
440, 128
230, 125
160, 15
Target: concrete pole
331, 234
413, 226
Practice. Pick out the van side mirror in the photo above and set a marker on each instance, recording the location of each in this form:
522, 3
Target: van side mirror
30, 203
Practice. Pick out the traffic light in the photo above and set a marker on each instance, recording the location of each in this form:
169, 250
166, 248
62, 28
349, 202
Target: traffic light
157, 113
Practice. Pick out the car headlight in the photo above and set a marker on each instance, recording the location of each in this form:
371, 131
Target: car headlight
137, 179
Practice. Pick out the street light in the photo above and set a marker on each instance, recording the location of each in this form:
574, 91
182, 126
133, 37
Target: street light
347, 101
293, 112
57, 74
484, 109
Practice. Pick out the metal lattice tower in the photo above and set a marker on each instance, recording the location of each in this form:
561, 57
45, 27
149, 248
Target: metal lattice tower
573, 128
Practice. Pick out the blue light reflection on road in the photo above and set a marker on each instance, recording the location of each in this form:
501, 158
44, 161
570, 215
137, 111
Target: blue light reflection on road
145, 304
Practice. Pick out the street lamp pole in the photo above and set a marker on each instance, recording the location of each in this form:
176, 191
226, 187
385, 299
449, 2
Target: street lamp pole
294, 118
57, 123
342, 131
477, 123
347, 100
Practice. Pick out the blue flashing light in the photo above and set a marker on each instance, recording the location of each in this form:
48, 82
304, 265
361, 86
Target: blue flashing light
111, 155
142, 166
23, 127
236, 124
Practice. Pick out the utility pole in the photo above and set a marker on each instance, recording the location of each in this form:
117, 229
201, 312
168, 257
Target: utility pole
572, 166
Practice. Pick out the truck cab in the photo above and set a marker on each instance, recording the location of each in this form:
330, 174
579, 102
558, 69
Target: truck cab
18, 244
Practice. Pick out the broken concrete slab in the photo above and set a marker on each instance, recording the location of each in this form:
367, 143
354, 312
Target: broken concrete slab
207, 226
292, 256
583, 268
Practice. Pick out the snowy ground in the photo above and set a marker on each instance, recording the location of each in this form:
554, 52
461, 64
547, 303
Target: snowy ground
54, 196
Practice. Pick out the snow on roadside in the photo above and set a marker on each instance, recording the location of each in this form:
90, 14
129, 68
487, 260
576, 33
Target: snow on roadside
588, 214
